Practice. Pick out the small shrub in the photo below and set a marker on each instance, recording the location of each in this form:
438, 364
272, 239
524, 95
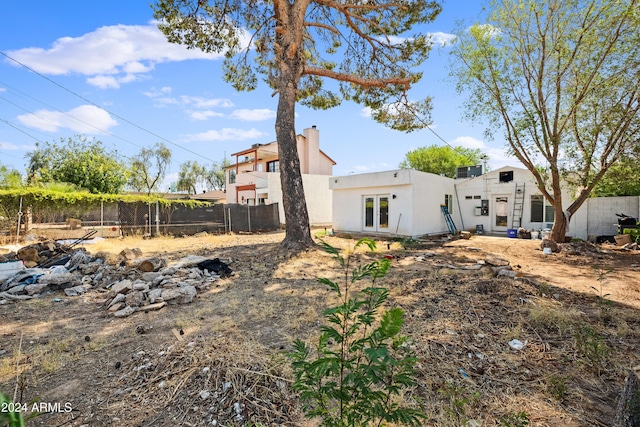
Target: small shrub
520, 419
602, 300
10, 415
360, 365
553, 319
592, 347
459, 399
557, 387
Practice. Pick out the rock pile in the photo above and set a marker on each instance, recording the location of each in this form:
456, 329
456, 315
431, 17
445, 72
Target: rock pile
129, 283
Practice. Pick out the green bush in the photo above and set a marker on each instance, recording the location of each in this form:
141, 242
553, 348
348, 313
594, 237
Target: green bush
10, 418
360, 365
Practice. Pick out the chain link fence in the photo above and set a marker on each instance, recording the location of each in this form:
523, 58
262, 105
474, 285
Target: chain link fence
135, 219
152, 220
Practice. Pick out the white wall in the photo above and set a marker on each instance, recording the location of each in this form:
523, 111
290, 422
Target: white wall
488, 187
414, 211
317, 196
597, 216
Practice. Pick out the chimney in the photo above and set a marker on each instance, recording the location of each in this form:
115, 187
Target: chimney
312, 151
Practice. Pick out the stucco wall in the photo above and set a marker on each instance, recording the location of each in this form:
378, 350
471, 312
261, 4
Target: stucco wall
414, 211
429, 193
597, 217
317, 196
488, 186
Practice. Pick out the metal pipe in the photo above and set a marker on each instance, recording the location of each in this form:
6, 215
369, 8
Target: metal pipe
19, 221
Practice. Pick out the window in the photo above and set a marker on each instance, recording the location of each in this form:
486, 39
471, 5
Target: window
273, 166
540, 210
448, 201
468, 197
232, 176
506, 176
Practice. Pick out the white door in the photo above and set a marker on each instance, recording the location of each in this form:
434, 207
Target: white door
376, 213
500, 213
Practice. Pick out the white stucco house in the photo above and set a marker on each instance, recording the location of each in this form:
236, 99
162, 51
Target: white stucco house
407, 203
507, 198
400, 202
254, 177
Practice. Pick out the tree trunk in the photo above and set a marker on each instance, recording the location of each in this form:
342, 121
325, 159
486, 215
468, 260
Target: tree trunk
559, 230
298, 233
628, 411
150, 264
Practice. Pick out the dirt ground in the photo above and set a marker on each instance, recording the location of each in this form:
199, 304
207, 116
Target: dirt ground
220, 360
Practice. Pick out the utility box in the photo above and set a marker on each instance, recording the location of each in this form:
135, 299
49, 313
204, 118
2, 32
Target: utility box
484, 207
478, 211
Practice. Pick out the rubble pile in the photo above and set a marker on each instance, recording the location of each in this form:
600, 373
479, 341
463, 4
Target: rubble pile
129, 283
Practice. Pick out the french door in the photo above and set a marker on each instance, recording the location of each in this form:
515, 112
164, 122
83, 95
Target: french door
376, 213
500, 213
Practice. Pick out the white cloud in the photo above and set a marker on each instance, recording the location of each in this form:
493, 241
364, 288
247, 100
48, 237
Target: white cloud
365, 112
204, 114
253, 115
441, 39
468, 142
104, 82
87, 119
13, 147
226, 134
119, 51
155, 92
200, 102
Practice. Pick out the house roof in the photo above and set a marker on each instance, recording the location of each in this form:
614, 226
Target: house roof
267, 150
209, 195
261, 149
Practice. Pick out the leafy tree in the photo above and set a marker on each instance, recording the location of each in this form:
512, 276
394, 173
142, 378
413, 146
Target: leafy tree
191, 173
441, 160
296, 46
215, 176
361, 363
84, 163
149, 168
9, 178
560, 79
622, 179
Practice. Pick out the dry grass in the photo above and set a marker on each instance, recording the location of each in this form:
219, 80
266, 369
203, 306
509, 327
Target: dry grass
459, 321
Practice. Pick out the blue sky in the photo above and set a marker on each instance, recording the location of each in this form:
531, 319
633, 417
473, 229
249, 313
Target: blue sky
105, 71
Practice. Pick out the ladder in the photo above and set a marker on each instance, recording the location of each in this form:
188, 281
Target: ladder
447, 218
518, 206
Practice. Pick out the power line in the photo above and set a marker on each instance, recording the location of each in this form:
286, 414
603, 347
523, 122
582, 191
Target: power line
102, 108
66, 114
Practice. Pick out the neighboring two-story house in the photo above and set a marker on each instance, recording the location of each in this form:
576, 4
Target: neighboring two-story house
254, 178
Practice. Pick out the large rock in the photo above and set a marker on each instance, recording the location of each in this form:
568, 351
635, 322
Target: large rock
154, 295
75, 291
28, 254
495, 261
134, 299
179, 295
58, 279
189, 261
127, 311
122, 287
36, 288
118, 299
548, 243
151, 276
